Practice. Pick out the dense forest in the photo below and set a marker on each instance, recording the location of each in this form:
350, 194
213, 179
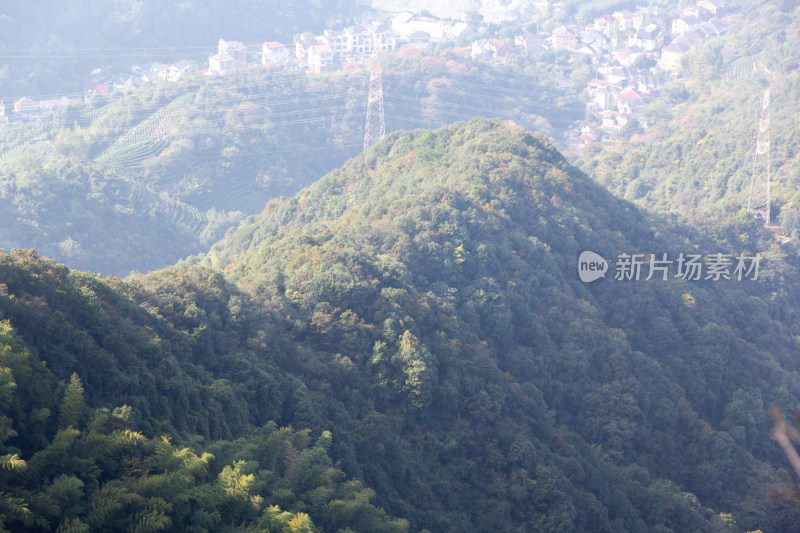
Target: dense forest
405, 345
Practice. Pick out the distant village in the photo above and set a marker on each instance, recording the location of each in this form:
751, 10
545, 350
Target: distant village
626, 49
616, 44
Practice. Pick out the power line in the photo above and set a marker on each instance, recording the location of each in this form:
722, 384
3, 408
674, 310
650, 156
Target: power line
238, 90
479, 109
117, 49
509, 99
238, 81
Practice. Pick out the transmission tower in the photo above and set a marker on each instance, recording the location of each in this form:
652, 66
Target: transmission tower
758, 199
376, 127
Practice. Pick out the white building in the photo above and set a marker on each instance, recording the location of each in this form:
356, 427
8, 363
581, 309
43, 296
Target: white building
384, 38
51, 104
27, 110
359, 40
339, 41
235, 50
176, 71
684, 25
672, 54
320, 57
405, 25
274, 52
564, 38
221, 63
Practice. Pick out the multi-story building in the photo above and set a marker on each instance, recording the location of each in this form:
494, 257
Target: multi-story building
320, 57
235, 50
274, 52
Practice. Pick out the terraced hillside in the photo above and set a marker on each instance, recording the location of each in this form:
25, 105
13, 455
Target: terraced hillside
139, 181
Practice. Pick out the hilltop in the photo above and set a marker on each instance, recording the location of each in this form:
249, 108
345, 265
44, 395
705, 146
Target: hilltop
442, 266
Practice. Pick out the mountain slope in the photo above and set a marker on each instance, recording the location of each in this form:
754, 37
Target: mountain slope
139, 181
415, 321
441, 268
122, 416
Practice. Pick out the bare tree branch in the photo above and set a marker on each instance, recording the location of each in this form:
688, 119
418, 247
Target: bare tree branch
782, 433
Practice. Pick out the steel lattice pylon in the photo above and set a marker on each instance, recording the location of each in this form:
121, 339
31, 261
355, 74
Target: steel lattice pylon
758, 200
375, 127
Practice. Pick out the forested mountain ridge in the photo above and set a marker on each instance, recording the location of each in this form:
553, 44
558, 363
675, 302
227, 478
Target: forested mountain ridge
477, 228
139, 181
422, 305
